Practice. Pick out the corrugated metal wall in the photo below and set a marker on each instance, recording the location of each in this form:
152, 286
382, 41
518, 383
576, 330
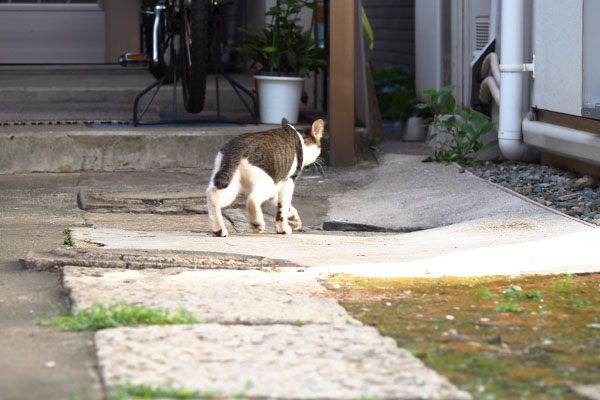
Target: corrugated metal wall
393, 23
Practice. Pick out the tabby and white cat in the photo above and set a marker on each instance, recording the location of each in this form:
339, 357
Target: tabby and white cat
265, 166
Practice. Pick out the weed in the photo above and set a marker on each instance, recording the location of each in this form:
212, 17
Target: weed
564, 285
513, 291
535, 295
299, 323
504, 306
485, 293
460, 131
581, 303
129, 390
516, 292
67, 240
396, 94
100, 317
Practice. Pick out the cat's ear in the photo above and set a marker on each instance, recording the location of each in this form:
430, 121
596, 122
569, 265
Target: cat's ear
317, 129
284, 122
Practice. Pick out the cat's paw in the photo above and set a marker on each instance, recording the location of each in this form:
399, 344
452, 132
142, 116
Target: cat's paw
258, 227
220, 233
294, 222
282, 228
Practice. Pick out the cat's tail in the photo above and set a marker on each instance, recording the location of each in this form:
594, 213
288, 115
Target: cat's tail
229, 164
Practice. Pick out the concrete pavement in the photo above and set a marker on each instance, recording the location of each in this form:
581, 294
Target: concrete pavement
434, 221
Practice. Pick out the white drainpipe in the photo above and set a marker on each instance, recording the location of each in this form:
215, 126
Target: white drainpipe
510, 138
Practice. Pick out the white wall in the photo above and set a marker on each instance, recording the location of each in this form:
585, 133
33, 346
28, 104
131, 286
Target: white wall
51, 33
557, 45
429, 45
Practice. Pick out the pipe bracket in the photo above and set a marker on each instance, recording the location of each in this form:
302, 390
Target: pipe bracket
516, 68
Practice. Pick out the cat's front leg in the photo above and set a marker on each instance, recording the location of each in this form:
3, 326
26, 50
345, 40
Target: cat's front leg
284, 202
294, 218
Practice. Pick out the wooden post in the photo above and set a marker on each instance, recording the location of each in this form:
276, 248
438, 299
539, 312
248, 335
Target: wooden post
341, 81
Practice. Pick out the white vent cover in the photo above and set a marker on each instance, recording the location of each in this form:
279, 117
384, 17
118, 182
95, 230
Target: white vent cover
482, 26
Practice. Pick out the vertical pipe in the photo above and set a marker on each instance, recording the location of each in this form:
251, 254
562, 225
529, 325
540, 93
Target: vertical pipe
493, 27
511, 80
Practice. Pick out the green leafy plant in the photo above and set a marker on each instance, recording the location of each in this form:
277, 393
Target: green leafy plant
565, 284
505, 306
67, 240
101, 317
460, 130
128, 391
283, 47
396, 93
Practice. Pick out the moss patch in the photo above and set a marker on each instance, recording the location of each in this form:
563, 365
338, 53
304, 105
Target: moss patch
527, 337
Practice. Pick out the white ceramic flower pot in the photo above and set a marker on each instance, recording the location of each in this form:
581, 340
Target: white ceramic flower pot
279, 97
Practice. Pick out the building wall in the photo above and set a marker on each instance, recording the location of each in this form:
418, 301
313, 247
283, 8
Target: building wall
557, 45
393, 23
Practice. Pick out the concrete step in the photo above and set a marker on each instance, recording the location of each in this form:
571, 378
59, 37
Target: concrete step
81, 147
102, 90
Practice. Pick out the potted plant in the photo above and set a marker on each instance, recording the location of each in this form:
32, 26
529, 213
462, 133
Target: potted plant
283, 53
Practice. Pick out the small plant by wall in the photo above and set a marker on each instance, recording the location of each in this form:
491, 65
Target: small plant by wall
458, 132
396, 93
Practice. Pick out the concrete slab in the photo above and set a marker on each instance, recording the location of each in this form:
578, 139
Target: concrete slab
143, 259
590, 392
459, 250
274, 361
406, 194
143, 201
153, 222
223, 296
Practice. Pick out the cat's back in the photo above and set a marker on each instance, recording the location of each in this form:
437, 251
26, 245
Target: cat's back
273, 151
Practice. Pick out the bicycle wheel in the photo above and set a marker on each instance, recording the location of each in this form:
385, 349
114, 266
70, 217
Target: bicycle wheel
195, 51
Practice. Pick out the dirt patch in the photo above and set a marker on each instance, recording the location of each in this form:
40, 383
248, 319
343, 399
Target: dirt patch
529, 337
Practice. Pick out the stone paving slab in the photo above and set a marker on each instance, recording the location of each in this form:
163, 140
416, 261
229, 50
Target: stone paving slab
274, 361
224, 296
144, 201
591, 392
155, 222
489, 247
142, 259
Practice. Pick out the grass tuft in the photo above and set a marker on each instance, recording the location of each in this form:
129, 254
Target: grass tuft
67, 240
101, 317
128, 391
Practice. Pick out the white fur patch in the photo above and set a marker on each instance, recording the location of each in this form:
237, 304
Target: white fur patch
256, 181
218, 160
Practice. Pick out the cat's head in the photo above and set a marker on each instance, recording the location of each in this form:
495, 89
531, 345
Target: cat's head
312, 140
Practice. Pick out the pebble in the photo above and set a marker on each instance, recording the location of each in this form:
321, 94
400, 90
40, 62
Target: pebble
558, 189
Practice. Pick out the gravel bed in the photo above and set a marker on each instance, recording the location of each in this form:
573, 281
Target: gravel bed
556, 188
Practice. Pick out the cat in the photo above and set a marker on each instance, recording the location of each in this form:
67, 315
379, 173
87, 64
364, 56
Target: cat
265, 166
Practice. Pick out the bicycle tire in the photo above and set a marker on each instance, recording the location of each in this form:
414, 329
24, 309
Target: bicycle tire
195, 53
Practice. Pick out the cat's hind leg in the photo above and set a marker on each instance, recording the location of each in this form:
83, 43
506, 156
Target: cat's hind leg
284, 204
217, 199
260, 188
294, 218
